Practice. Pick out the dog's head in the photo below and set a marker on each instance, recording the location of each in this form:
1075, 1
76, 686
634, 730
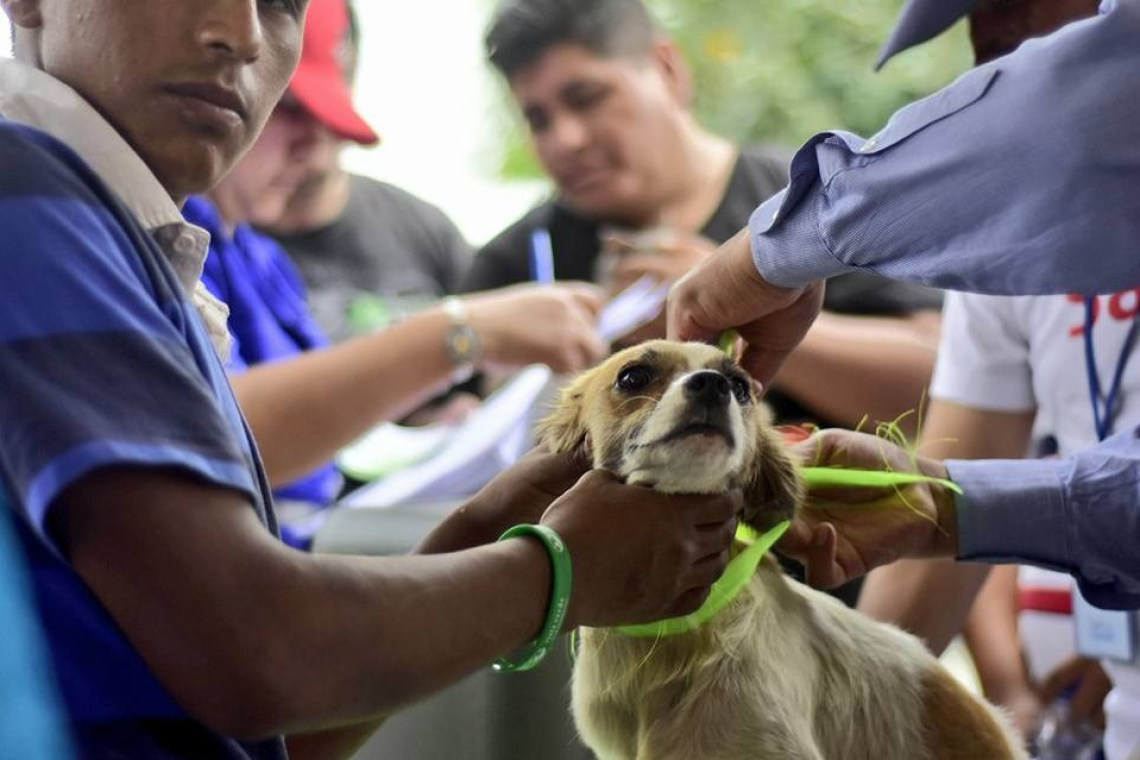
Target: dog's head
681, 418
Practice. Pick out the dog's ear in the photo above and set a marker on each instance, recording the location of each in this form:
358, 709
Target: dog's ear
772, 487
565, 428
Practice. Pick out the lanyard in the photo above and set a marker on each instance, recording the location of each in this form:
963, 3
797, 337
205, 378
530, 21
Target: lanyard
1104, 420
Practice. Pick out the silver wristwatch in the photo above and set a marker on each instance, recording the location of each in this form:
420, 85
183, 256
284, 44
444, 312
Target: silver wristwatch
461, 341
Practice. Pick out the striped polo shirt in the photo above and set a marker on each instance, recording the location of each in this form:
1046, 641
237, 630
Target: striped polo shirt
105, 361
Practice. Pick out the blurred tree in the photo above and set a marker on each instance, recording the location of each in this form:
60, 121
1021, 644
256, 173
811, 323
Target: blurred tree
782, 70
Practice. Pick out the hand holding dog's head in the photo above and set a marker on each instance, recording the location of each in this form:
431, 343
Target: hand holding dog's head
681, 418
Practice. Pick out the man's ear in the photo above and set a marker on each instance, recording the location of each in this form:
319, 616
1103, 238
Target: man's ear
772, 487
565, 428
24, 13
674, 70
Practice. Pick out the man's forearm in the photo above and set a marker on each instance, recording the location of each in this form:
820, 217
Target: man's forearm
829, 371
302, 411
288, 642
422, 622
992, 634
902, 594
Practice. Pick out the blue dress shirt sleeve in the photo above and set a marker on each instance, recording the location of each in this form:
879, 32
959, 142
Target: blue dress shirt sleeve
1012, 180
1080, 515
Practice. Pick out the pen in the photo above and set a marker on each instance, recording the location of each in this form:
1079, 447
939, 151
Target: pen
541, 256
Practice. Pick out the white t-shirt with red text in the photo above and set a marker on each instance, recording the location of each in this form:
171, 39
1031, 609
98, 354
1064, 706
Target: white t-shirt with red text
1025, 353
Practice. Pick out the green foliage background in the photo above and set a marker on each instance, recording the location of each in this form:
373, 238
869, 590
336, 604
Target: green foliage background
778, 71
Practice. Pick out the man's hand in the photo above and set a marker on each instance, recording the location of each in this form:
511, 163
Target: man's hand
531, 324
844, 533
726, 292
662, 254
518, 495
665, 255
1089, 685
640, 555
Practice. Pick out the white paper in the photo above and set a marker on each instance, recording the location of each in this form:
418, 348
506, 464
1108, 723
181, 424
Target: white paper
389, 448
490, 439
637, 305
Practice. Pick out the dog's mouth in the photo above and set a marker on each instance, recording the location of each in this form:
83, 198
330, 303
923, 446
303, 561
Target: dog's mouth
701, 422
693, 429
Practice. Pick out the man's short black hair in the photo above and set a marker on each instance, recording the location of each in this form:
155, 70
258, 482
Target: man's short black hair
522, 30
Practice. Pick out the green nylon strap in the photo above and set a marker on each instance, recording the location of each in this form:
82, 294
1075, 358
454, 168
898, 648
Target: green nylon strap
743, 566
831, 477
736, 576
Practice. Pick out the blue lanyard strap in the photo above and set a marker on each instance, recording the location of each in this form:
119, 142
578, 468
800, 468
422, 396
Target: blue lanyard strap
1104, 422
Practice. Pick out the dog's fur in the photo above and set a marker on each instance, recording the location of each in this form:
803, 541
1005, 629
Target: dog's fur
782, 672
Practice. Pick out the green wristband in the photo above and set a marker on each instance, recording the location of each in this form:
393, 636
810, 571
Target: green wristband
560, 585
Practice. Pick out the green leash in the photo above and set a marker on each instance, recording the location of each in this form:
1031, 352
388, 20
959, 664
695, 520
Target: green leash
831, 477
736, 576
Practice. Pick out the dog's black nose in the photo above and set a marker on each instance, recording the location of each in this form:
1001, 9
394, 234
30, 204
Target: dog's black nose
708, 387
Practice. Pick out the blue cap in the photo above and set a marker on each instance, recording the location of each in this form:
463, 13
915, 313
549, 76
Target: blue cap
920, 21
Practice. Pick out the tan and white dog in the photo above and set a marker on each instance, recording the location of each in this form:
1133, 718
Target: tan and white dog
782, 672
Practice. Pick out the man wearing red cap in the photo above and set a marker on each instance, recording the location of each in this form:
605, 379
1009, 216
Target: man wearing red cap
369, 252
321, 80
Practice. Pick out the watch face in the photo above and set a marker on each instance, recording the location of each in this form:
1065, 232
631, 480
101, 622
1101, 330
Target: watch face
463, 344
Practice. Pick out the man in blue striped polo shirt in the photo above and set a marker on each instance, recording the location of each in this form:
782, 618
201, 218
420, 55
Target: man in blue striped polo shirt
177, 624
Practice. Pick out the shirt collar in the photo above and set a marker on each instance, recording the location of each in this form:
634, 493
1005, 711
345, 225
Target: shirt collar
39, 100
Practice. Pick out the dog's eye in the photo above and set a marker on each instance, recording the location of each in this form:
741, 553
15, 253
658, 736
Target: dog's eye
741, 390
634, 378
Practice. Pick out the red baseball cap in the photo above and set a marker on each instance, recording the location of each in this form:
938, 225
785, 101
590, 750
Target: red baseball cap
321, 82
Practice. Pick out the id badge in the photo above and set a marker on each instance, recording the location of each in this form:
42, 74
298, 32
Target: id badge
1105, 634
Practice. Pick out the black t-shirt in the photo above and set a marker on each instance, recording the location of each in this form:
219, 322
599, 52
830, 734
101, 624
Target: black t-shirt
387, 255
758, 175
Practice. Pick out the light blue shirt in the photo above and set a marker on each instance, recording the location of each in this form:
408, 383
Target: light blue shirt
1022, 177
31, 719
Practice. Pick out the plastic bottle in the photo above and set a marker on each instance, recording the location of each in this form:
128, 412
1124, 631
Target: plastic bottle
1058, 738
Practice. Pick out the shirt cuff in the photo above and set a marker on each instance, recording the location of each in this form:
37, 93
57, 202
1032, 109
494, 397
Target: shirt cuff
1012, 511
786, 244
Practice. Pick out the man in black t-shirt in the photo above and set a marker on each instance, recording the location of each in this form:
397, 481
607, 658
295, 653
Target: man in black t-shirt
642, 188
369, 252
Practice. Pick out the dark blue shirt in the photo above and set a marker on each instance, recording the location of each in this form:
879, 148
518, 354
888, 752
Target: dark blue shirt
269, 315
104, 363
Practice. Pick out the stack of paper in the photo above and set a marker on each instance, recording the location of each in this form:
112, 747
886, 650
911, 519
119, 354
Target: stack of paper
389, 448
492, 438
637, 305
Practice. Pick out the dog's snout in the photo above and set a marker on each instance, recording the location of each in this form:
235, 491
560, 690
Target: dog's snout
709, 387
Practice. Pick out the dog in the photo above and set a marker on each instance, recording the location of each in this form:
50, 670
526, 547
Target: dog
783, 671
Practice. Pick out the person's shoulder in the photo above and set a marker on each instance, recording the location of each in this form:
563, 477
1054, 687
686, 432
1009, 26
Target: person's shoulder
393, 200
862, 293
519, 231
766, 155
53, 198
504, 259
768, 161
38, 165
